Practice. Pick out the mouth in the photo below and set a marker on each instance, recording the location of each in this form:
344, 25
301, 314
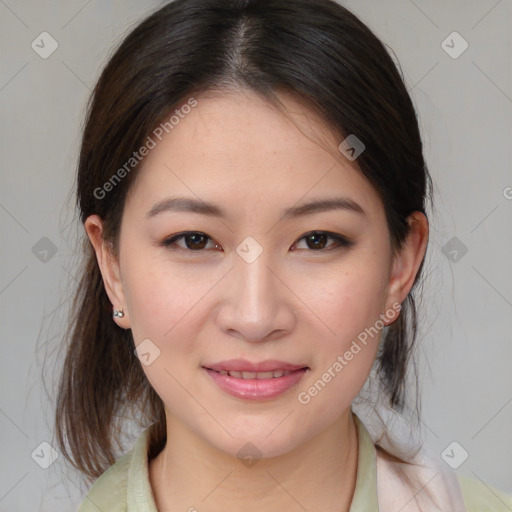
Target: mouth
265, 380
242, 366
275, 374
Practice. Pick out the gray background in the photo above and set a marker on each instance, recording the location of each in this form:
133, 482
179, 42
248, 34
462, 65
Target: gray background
465, 111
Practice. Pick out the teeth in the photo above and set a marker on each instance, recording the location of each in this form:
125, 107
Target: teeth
256, 375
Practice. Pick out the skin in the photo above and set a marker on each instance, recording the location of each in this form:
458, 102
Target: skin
294, 303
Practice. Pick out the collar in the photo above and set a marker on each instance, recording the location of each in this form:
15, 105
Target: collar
365, 493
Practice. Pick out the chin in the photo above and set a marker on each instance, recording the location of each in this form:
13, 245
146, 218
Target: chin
259, 443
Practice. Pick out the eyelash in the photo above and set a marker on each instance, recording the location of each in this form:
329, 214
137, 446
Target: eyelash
341, 242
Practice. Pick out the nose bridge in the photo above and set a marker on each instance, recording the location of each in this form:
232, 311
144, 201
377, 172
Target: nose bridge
255, 283
255, 306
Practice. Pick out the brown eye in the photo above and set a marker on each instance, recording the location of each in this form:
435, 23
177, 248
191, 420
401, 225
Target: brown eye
318, 241
194, 241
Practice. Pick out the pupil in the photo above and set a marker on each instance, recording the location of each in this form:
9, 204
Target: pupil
322, 242
195, 239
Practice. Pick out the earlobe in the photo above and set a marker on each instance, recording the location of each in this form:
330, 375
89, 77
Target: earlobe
408, 260
109, 268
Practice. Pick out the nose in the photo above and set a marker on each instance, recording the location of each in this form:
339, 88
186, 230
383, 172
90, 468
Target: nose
257, 304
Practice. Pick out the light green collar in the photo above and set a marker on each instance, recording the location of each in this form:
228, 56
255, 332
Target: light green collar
365, 493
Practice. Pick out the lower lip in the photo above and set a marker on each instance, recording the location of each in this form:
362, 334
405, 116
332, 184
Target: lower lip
256, 389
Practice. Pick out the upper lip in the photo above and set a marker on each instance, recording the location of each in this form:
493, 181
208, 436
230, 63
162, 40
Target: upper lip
242, 365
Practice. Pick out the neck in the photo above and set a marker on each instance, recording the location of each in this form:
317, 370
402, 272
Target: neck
318, 475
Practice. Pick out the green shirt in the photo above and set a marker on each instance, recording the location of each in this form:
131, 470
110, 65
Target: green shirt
125, 486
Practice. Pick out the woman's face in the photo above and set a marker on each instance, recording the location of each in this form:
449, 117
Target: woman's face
251, 283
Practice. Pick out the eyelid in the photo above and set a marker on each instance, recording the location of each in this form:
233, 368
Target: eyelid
169, 241
341, 241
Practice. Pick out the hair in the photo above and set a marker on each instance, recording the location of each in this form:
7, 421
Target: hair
314, 49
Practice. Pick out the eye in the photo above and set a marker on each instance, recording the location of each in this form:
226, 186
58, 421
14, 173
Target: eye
196, 241
193, 240
317, 241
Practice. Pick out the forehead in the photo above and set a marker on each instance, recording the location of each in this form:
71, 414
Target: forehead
238, 150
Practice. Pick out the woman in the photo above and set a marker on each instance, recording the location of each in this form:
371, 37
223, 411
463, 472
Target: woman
254, 193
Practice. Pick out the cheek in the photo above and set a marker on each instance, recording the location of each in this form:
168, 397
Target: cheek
163, 302
348, 300
349, 305
165, 308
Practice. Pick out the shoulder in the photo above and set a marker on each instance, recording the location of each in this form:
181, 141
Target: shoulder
479, 496
109, 491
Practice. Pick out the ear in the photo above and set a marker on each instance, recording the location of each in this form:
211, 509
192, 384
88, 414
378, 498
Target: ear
407, 261
109, 267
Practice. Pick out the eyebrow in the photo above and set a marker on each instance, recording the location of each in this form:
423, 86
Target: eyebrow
191, 205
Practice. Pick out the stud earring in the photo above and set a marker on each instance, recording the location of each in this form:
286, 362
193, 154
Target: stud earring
119, 313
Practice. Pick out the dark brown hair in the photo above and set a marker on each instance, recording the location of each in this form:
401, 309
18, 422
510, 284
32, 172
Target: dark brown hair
315, 49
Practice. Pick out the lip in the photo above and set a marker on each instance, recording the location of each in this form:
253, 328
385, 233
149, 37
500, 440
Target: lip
242, 365
256, 389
